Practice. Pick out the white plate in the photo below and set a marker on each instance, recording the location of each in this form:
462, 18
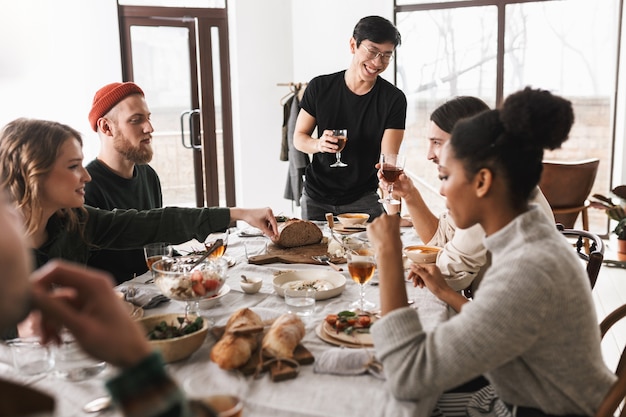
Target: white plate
210, 302
335, 280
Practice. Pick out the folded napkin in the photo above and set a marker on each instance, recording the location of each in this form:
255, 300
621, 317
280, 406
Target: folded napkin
346, 361
143, 297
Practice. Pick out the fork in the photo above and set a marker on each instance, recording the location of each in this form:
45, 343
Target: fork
326, 259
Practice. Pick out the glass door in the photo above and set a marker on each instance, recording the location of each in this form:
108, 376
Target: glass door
178, 57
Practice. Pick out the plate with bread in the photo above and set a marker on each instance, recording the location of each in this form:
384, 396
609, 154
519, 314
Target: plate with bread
251, 345
326, 283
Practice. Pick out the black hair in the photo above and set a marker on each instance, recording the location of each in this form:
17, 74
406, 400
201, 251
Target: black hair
510, 141
450, 112
376, 29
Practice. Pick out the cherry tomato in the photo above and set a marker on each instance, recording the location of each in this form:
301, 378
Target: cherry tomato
340, 325
351, 321
331, 319
365, 321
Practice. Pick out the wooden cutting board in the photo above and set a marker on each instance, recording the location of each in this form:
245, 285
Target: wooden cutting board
298, 255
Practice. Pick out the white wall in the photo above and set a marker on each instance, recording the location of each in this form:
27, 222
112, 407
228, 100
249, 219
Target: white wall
62, 51
54, 55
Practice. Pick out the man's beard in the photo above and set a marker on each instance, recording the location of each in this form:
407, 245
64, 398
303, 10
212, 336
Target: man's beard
136, 154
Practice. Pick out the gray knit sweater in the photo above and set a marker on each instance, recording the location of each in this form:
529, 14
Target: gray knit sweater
531, 330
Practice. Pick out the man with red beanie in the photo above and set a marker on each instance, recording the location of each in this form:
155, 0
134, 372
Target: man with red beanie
121, 176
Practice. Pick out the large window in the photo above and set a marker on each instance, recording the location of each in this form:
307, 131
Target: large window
491, 48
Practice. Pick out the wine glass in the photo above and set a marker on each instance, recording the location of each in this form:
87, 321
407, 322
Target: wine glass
210, 241
362, 264
180, 279
156, 251
342, 138
391, 166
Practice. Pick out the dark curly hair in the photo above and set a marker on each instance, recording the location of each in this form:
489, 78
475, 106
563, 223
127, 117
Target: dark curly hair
510, 141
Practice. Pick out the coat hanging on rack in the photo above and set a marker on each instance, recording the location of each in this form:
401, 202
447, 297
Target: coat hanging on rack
298, 161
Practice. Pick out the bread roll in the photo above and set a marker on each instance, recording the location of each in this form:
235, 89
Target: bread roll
283, 337
296, 232
232, 351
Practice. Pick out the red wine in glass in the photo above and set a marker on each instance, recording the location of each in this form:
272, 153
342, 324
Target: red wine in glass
391, 166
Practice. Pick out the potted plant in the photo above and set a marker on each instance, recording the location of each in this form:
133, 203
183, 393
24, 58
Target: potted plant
615, 212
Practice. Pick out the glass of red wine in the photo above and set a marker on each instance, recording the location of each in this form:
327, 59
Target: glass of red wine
342, 138
391, 166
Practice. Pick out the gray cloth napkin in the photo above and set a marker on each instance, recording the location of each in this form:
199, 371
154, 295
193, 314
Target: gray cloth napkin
347, 361
143, 297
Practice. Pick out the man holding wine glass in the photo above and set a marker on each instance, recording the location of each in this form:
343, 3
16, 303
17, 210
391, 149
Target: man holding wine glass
372, 114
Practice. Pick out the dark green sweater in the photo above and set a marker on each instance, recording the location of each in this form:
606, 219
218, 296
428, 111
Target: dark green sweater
129, 229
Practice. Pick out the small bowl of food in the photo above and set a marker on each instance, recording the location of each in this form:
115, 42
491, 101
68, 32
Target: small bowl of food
422, 254
175, 336
353, 219
250, 285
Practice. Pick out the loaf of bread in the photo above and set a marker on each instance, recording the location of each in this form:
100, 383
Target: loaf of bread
296, 232
233, 351
283, 337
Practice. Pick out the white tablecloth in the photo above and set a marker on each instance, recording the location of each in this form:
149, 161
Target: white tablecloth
309, 394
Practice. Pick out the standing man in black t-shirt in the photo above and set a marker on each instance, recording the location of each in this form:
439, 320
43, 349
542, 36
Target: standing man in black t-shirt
371, 109
121, 176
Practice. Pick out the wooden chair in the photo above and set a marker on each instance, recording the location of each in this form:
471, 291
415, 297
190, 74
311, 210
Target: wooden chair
593, 256
617, 393
566, 186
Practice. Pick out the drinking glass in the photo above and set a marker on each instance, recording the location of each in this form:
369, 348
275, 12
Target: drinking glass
342, 138
362, 265
300, 302
210, 240
391, 166
156, 251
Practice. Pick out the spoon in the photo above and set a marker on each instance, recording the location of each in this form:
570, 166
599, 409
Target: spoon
97, 405
326, 259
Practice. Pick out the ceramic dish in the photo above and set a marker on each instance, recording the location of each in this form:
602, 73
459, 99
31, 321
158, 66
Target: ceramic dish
210, 302
421, 254
329, 283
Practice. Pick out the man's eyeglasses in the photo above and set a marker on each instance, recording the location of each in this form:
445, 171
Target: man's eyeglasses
371, 54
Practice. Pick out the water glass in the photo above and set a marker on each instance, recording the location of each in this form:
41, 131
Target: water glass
72, 363
300, 302
30, 357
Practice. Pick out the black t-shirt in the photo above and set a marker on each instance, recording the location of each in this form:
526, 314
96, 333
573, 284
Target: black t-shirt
109, 191
334, 106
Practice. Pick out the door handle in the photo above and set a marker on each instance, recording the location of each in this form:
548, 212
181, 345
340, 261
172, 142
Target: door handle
192, 133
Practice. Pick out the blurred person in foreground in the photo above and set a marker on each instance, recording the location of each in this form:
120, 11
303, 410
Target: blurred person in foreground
83, 301
371, 109
121, 177
41, 168
463, 258
534, 315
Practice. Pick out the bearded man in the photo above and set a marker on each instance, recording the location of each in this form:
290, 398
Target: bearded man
121, 176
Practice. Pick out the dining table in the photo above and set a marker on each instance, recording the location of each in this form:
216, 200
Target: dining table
309, 394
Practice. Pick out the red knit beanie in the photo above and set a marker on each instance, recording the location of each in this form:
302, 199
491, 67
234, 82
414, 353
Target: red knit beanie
107, 97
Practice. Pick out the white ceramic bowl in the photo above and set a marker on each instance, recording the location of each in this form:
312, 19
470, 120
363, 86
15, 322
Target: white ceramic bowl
251, 286
210, 302
176, 348
422, 254
332, 281
352, 219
